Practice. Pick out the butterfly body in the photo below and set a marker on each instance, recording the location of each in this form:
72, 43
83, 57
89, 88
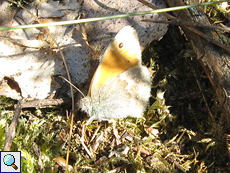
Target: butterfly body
121, 85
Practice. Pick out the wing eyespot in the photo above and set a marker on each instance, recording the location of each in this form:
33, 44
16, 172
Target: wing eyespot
121, 45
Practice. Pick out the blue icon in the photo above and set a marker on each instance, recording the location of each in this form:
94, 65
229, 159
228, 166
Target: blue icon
9, 160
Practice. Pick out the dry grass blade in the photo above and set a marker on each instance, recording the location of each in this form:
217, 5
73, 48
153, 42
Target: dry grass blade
11, 131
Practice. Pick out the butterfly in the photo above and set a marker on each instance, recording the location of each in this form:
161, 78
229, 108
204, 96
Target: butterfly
121, 85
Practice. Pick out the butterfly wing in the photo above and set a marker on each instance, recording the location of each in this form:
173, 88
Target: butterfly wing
123, 53
121, 85
125, 95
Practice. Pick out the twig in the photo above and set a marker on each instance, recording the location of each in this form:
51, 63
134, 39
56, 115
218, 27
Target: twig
155, 8
190, 28
209, 39
72, 85
185, 23
11, 131
44, 103
202, 93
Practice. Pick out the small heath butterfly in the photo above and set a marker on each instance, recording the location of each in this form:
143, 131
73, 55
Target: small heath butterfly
121, 85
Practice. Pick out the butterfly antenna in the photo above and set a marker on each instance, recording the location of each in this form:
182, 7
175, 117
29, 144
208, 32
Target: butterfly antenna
72, 85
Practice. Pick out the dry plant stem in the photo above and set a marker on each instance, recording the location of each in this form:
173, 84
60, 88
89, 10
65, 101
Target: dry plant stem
155, 8
91, 155
202, 93
170, 158
190, 28
44, 103
69, 78
11, 131
83, 141
95, 134
72, 85
115, 132
18, 43
185, 23
209, 39
70, 134
98, 141
176, 164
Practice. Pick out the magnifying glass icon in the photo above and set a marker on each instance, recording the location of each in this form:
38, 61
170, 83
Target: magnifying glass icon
9, 160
